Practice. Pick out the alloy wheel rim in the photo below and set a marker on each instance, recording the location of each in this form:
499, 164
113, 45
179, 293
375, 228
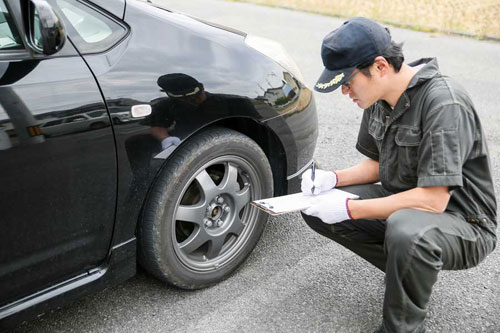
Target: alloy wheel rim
213, 219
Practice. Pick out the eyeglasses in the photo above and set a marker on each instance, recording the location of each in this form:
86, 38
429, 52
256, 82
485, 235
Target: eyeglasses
347, 83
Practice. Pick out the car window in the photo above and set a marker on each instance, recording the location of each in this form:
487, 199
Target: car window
9, 38
90, 30
96, 114
75, 119
52, 123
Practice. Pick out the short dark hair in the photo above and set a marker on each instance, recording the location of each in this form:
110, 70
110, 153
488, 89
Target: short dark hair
393, 54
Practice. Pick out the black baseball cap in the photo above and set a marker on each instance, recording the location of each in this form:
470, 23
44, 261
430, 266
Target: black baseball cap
357, 41
179, 85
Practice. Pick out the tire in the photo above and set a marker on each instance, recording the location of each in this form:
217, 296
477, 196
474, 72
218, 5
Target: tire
198, 224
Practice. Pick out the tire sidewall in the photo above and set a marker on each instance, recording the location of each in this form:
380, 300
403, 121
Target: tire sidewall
203, 150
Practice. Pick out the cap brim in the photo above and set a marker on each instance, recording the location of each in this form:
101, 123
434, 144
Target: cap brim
185, 93
331, 80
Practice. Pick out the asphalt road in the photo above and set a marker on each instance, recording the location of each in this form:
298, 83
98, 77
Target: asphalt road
295, 280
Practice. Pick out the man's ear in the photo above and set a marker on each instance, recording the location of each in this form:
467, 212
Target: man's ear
381, 66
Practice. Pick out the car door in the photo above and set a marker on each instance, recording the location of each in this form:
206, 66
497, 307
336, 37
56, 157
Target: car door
57, 189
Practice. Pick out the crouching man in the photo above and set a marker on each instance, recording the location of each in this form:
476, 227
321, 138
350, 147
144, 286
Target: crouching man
434, 207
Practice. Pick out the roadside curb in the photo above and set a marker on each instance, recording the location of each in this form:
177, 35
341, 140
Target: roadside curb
392, 23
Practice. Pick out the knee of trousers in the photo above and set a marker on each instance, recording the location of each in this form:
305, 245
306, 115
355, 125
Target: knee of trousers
404, 231
409, 238
316, 224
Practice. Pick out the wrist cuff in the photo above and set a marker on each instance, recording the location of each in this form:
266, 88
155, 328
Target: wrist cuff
336, 179
347, 208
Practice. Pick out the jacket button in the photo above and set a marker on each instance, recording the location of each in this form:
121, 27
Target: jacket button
407, 104
484, 220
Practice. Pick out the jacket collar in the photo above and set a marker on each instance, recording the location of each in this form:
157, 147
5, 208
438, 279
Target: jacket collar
430, 70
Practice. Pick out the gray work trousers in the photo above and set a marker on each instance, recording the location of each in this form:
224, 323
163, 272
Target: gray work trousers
411, 247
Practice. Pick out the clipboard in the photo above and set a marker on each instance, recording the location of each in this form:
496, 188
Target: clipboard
298, 201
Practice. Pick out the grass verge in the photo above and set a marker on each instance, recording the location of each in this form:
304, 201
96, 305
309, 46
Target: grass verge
480, 19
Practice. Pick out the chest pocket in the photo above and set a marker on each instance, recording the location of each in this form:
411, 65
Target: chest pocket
376, 130
407, 143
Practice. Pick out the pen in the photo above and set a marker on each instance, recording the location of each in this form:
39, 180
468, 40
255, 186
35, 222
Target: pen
313, 175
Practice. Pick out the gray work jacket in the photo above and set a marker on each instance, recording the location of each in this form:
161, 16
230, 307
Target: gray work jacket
432, 137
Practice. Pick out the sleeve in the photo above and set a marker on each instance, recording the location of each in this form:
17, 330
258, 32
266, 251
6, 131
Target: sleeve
447, 140
366, 144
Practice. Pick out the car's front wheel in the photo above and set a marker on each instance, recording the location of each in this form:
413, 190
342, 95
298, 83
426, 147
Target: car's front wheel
198, 225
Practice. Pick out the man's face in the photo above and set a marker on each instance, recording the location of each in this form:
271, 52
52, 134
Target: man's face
363, 90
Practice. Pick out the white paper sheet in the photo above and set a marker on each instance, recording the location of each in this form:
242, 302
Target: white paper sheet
298, 201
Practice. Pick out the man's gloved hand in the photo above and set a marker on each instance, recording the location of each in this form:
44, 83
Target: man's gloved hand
170, 141
323, 181
330, 210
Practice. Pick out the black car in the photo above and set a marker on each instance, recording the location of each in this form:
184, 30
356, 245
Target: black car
132, 133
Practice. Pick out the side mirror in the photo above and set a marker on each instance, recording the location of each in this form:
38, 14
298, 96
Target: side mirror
46, 30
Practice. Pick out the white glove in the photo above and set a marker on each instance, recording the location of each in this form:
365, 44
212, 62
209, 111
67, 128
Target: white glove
323, 181
170, 141
330, 211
